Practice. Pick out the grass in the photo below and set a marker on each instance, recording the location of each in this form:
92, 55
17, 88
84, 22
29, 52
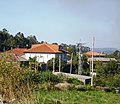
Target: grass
75, 97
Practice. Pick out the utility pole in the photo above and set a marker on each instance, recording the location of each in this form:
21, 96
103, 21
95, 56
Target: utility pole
71, 63
53, 64
59, 62
79, 58
93, 42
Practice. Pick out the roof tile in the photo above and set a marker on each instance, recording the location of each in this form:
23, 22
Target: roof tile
44, 48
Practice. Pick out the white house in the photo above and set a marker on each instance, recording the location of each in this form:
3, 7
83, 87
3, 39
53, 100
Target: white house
44, 52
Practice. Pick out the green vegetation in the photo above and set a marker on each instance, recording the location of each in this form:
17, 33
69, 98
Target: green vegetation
74, 81
19, 40
108, 75
75, 97
50, 64
18, 83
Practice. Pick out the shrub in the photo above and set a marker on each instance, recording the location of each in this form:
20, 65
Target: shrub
48, 77
17, 83
13, 84
74, 81
116, 81
42, 77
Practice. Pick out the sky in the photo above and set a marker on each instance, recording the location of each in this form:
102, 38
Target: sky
64, 21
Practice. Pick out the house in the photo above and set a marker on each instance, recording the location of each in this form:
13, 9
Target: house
98, 57
95, 54
44, 52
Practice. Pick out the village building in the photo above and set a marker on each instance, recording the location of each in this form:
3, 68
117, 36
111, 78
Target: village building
98, 57
44, 52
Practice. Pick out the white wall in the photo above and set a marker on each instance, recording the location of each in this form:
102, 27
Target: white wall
40, 57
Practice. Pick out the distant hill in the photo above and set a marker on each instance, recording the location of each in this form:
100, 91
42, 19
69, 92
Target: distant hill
105, 50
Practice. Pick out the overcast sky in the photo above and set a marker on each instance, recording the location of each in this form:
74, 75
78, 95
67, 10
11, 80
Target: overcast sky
64, 21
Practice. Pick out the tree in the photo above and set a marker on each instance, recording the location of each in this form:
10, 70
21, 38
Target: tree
4, 35
32, 40
107, 74
10, 42
109, 69
50, 65
19, 40
85, 66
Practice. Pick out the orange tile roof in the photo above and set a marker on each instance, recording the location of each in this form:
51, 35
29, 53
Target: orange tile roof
17, 51
94, 54
44, 48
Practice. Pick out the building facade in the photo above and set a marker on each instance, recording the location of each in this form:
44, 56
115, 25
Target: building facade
44, 52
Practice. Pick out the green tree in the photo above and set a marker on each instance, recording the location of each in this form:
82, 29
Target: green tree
85, 66
32, 40
50, 65
4, 35
109, 69
19, 37
10, 42
107, 74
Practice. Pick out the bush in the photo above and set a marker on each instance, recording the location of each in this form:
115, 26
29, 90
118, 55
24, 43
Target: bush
18, 83
42, 77
116, 81
74, 81
48, 77
13, 84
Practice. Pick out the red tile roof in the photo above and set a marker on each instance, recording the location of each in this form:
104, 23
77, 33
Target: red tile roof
94, 54
17, 51
44, 48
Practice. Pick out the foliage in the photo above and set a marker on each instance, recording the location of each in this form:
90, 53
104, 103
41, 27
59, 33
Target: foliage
115, 54
74, 81
109, 69
50, 64
42, 77
107, 74
13, 84
85, 65
18, 83
19, 40
75, 97
116, 81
